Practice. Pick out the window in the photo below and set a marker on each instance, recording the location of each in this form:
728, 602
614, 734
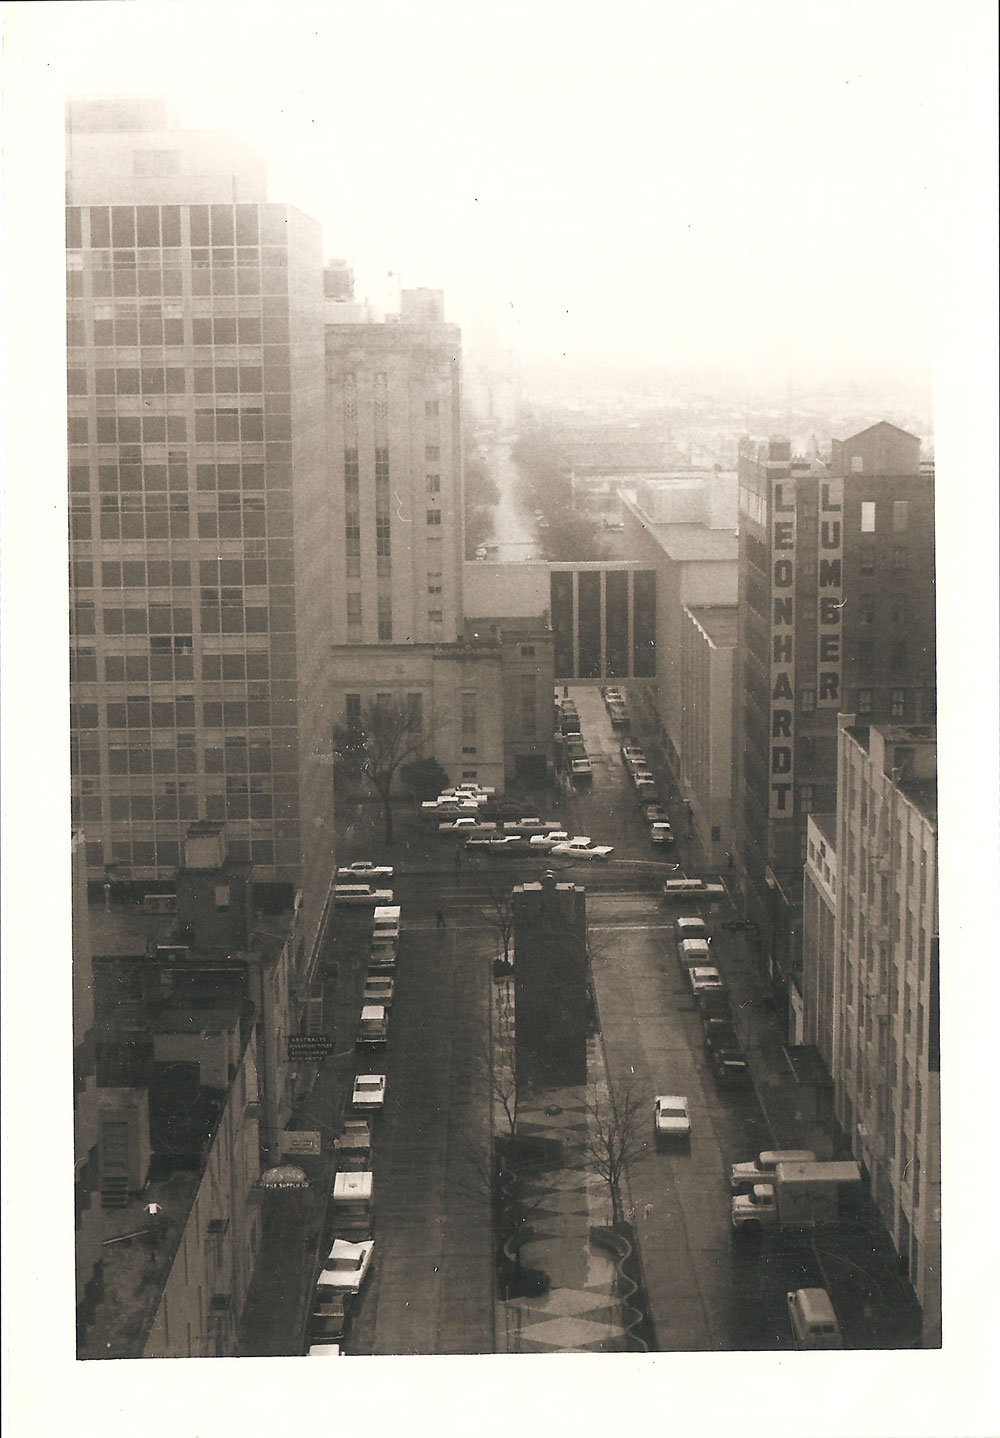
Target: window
898, 560
527, 651
415, 713
435, 616
433, 583
807, 698
432, 451
431, 408
433, 484
468, 698
354, 609
900, 515
898, 702
383, 536
434, 516
807, 798
858, 467
864, 701
867, 516
898, 657
352, 709
866, 655
866, 605
385, 617
867, 561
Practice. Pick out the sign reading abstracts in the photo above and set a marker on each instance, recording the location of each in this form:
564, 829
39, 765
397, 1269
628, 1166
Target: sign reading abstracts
782, 744
309, 1046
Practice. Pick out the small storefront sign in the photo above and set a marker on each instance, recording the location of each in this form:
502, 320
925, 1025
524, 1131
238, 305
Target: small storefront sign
309, 1046
301, 1141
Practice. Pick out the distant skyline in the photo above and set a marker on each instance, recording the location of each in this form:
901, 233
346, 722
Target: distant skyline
748, 199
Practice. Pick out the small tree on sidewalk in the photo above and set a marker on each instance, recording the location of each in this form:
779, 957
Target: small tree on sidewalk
387, 734
614, 1137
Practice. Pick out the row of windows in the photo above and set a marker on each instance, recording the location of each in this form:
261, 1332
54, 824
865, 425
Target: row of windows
164, 853
133, 477
130, 429
239, 756
172, 379
145, 713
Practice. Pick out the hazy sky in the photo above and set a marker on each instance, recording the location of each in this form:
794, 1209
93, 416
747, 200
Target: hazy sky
749, 192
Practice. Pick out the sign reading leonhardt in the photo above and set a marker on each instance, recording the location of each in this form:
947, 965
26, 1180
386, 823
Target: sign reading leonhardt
309, 1046
301, 1141
830, 594
782, 743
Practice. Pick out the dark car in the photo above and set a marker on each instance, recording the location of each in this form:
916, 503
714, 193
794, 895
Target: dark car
724, 1052
328, 1321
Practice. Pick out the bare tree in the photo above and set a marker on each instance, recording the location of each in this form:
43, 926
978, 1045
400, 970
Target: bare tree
388, 733
498, 908
614, 1137
495, 1060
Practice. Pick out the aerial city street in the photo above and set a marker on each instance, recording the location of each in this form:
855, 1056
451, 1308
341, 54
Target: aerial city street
503, 735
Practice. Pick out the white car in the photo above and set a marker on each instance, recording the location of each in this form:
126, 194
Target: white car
466, 824
363, 869
581, 847
346, 1266
704, 978
660, 832
531, 825
544, 842
360, 896
369, 1092
689, 926
670, 1116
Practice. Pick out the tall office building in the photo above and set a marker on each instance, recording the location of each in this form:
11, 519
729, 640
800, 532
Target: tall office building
394, 416
200, 573
836, 612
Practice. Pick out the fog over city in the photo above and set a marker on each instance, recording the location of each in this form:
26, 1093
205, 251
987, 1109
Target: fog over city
742, 196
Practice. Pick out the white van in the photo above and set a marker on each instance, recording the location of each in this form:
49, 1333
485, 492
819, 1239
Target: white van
385, 925
353, 1202
694, 953
689, 927
814, 1323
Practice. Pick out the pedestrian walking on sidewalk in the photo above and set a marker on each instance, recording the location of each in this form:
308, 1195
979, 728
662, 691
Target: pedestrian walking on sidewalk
440, 919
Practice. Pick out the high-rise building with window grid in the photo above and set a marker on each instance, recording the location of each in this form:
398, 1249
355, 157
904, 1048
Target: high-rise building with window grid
199, 552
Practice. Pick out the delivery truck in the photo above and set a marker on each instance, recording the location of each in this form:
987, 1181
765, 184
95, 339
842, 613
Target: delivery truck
800, 1195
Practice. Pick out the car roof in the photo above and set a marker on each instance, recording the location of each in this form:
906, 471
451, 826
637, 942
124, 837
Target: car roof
671, 1099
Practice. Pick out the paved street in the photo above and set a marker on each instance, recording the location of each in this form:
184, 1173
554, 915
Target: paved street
431, 1289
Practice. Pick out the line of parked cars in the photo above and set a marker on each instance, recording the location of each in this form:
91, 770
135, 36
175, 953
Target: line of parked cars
352, 1201
637, 767
617, 707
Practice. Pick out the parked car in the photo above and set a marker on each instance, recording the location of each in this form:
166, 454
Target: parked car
354, 1145
481, 551
613, 696
656, 814
360, 896
531, 825
544, 842
369, 1093
324, 1350
581, 771
385, 926
632, 753
466, 824
373, 1027
692, 889
693, 953
724, 1053
813, 1321
362, 871
688, 926
346, 1267
671, 1118
328, 1320
703, 978
582, 847
661, 833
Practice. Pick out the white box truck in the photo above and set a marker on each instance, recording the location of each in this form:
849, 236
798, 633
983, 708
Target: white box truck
800, 1195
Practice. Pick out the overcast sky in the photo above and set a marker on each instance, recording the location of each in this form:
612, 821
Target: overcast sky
749, 192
